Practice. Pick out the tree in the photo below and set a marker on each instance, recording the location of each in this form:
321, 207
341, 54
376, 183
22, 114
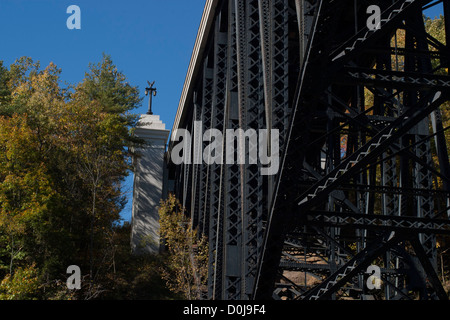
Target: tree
25, 186
186, 270
64, 154
24, 285
102, 146
4, 88
110, 89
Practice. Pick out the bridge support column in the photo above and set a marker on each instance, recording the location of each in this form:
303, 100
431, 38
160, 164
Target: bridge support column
148, 185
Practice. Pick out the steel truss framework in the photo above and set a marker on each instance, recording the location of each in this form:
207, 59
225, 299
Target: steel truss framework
313, 70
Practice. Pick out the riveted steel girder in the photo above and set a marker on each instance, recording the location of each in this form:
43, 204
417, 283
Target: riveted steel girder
364, 169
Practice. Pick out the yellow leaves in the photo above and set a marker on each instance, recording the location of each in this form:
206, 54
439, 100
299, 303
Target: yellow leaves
23, 285
36, 92
22, 198
25, 187
186, 270
62, 160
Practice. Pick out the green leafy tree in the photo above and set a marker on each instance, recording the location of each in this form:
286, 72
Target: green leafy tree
186, 269
65, 153
5, 93
23, 285
25, 186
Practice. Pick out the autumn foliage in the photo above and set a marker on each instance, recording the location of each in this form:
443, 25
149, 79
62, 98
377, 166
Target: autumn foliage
186, 267
64, 154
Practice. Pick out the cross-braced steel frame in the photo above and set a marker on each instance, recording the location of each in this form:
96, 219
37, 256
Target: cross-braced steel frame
365, 175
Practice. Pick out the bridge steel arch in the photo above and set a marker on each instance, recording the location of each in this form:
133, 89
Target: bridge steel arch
364, 173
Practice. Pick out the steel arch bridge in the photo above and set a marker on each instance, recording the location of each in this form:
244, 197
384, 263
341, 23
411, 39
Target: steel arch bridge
364, 173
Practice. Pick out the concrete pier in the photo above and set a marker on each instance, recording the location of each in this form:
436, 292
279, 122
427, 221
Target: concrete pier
148, 185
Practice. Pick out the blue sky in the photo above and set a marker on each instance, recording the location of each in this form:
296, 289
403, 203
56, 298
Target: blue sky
435, 11
147, 39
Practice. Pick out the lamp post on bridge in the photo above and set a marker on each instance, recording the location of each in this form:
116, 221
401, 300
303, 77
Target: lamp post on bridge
149, 180
152, 93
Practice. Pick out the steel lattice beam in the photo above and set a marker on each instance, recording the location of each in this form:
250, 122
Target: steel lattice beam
314, 71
